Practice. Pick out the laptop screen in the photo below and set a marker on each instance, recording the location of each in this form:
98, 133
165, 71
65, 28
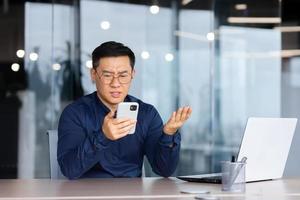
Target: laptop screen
266, 144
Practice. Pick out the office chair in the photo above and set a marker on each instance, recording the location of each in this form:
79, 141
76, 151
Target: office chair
55, 172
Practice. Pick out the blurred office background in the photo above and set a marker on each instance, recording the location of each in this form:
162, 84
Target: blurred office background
227, 59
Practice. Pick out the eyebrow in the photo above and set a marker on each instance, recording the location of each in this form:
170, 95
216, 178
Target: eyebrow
121, 72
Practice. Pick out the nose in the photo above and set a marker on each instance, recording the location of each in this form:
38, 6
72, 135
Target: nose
115, 82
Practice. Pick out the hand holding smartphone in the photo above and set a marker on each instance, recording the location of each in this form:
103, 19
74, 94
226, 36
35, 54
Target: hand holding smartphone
128, 110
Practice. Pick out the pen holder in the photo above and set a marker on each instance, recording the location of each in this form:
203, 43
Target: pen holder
233, 176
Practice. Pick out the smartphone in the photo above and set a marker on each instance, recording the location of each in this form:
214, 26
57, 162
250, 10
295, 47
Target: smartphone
128, 110
206, 197
194, 191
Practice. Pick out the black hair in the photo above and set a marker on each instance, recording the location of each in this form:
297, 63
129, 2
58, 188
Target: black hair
112, 49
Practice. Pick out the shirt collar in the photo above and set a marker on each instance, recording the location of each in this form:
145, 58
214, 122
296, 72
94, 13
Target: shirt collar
102, 106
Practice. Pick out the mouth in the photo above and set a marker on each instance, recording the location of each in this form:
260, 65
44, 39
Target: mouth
115, 94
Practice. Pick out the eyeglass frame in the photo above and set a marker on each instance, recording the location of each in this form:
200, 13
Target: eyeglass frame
113, 76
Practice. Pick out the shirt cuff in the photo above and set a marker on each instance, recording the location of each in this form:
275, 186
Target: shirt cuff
99, 140
170, 140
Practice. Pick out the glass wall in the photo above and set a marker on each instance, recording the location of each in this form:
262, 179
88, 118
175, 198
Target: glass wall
167, 46
247, 73
199, 53
49, 42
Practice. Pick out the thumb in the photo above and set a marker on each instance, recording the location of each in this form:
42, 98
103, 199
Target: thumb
111, 114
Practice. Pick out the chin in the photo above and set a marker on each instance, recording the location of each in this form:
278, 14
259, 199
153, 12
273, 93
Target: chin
116, 100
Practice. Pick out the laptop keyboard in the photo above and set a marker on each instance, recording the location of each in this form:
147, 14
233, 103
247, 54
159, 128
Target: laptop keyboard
215, 179
201, 179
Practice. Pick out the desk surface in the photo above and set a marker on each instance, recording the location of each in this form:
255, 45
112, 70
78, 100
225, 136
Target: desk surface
139, 188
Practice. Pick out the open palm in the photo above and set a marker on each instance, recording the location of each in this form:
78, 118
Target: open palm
177, 119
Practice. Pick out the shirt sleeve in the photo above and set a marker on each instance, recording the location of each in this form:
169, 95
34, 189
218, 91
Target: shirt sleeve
77, 150
162, 150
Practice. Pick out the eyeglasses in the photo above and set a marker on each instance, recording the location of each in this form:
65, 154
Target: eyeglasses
107, 77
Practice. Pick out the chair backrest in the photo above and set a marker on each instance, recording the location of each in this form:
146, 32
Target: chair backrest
55, 172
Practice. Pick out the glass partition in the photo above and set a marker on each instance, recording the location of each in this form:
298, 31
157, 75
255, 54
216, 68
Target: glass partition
247, 73
173, 62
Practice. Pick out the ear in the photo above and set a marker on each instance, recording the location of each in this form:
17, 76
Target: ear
93, 74
133, 73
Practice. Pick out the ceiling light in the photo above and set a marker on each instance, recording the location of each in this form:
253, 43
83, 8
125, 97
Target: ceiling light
89, 64
266, 54
190, 35
145, 55
33, 56
185, 2
210, 36
288, 28
105, 25
15, 67
240, 6
290, 53
169, 57
56, 66
154, 9
20, 53
257, 20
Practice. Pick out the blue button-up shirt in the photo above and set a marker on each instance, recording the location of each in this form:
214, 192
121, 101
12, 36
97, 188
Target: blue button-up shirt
84, 151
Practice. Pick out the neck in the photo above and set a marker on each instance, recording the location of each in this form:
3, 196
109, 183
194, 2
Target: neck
111, 107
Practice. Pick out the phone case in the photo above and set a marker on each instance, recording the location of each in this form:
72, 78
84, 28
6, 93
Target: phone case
128, 110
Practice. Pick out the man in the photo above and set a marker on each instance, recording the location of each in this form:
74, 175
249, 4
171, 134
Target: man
92, 143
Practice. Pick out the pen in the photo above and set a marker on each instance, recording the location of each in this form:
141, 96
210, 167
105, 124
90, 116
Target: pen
232, 158
237, 171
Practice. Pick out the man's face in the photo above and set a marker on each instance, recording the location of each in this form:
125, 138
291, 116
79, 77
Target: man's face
113, 78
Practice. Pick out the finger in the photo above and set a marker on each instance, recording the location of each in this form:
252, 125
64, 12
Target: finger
189, 112
110, 115
122, 134
125, 129
184, 113
178, 114
108, 118
125, 123
172, 118
118, 133
120, 120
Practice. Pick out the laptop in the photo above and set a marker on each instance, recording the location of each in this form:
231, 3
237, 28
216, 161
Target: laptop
266, 144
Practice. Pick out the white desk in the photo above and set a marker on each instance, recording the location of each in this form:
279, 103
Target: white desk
139, 188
